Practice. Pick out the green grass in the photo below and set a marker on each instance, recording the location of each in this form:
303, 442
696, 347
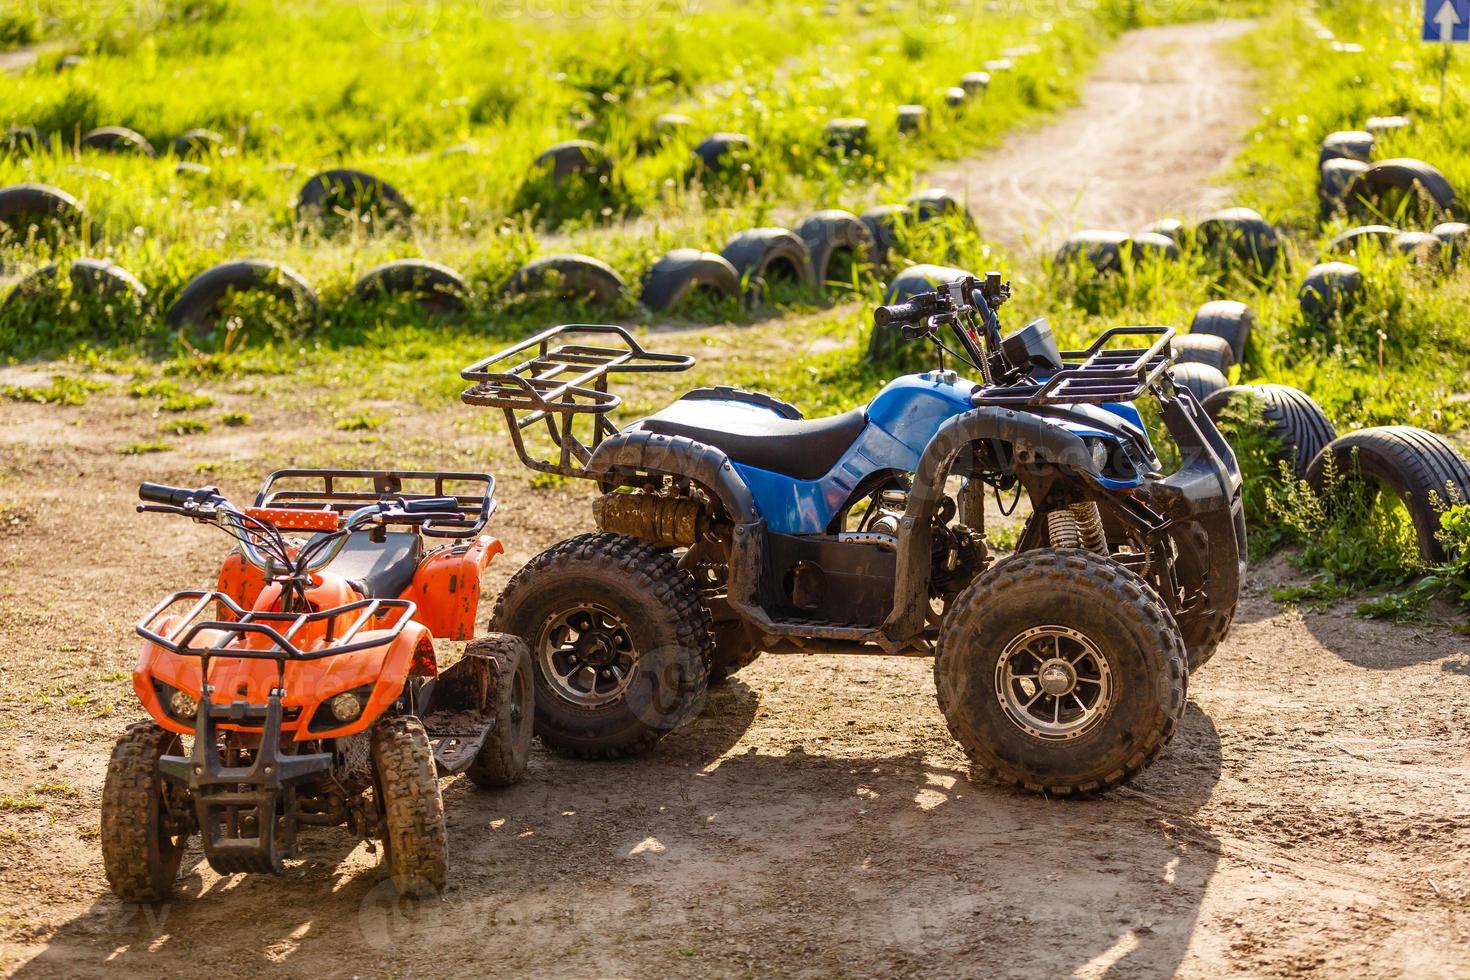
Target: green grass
144, 448
63, 390
289, 85
390, 99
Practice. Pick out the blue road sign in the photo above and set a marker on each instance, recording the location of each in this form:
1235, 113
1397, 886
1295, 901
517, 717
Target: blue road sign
1447, 21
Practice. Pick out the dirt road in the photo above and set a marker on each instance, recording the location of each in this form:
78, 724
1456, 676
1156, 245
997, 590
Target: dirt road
1165, 110
1312, 818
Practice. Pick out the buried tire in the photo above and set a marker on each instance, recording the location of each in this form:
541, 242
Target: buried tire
23, 206
620, 640
437, 288
1286, 414
350, 191
1416, 465
763, 256
201, 298
1204, 349
686, 270
89, 277
1227, 319
1202, 380
836, 237
1406, 188
1060, 672
568, 276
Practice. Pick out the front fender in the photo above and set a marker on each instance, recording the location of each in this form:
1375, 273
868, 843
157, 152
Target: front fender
383, 669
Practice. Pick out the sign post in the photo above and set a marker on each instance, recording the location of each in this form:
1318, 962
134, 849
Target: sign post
1446, 22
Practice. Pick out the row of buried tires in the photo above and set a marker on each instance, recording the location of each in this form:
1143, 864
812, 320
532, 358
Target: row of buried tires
718, 153
829, 246
1350, 183
1424, 471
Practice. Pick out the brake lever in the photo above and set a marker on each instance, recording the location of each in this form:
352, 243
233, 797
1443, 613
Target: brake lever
202, 515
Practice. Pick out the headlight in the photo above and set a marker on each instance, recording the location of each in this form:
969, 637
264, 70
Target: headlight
182, 706
1099, 450
346, 706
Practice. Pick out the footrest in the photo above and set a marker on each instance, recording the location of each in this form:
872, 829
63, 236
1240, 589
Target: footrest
456, 738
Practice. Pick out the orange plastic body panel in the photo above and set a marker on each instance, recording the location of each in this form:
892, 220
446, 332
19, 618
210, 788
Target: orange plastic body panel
308, 683
446, 588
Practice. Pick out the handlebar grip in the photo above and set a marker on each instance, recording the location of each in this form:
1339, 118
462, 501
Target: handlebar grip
157, 493
897, 313
428, 505
912, 310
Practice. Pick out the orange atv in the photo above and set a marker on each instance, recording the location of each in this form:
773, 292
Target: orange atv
304, 690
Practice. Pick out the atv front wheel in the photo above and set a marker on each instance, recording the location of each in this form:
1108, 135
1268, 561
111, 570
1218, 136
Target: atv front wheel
1061, 672
503, 757
145, 821
407, 787
620, 640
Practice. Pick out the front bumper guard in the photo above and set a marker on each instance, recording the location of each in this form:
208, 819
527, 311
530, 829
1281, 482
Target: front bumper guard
247, 814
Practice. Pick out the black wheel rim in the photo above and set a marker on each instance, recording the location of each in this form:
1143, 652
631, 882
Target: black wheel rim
586, 655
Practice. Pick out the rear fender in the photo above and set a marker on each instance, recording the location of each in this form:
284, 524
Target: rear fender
446, 588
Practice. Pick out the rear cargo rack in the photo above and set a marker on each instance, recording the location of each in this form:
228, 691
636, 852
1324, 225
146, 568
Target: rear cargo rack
280, 628
343, 491
556, 376
1097, 374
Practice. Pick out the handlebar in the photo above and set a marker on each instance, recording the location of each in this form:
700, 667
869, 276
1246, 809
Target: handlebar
158, 493
910, 311
262, 544
429, 505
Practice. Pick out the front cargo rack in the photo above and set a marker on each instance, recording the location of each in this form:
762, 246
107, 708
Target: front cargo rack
1096, 375
556, 376
343, 491
280, 629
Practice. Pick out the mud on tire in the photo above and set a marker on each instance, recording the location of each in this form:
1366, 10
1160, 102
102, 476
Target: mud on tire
577, 604
141, 846
407, 787
1133, 660
502, 760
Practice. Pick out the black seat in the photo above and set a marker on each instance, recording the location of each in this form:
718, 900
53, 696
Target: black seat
379, 570
805, 449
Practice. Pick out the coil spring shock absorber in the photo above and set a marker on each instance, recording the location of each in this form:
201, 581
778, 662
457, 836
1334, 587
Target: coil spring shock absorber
1077, 526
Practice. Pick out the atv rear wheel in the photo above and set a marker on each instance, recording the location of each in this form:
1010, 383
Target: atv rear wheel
143, 836
407, 786
620, 640
503, 758
1061, 672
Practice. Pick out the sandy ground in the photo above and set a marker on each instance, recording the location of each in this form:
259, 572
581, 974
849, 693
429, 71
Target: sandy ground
1165, 110
1311, 819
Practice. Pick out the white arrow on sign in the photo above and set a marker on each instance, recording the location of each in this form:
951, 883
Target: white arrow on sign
1448, 20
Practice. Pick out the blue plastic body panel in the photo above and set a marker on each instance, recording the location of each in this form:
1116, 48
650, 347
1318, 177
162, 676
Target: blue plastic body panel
902, 420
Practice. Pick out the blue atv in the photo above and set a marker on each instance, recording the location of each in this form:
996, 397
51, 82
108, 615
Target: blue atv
729, 525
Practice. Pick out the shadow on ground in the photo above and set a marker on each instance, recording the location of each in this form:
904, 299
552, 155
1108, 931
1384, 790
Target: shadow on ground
786, 864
